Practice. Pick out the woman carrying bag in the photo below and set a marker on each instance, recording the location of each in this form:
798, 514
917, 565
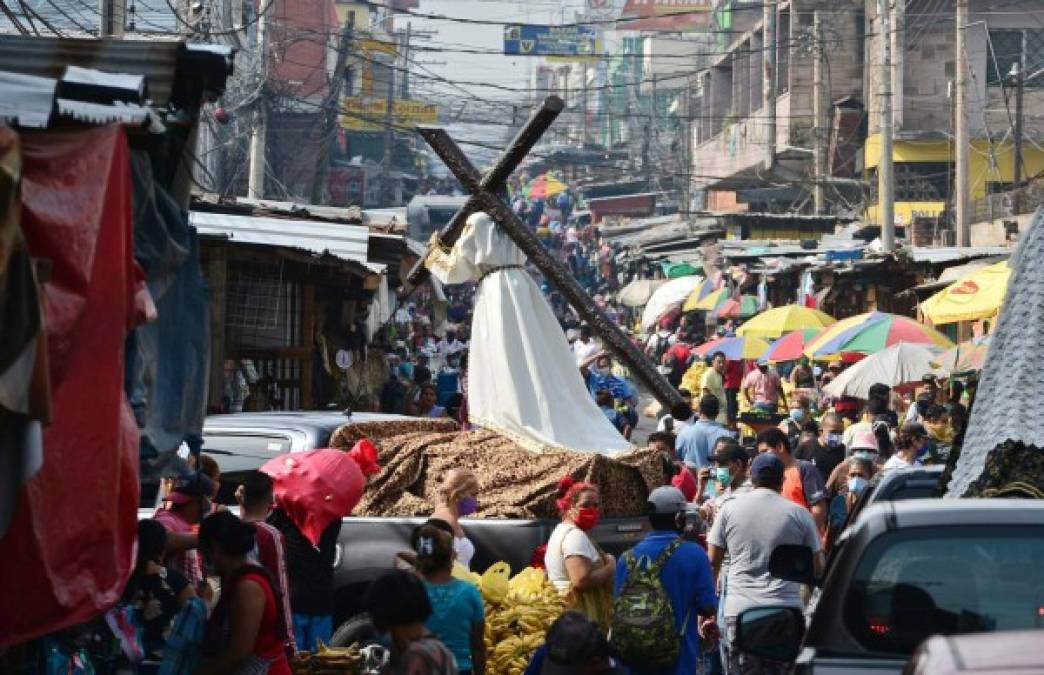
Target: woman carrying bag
581, 571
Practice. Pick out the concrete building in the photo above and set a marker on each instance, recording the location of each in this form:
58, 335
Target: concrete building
924, 71
737, 146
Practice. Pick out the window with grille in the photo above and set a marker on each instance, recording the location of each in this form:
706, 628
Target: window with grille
1009, 48
917, 181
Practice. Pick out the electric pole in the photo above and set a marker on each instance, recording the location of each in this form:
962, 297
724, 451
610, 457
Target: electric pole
768, 83
1020, 86
389, 131
333, 104
818, 109
259, 132
885, 167
113, 14
961, 141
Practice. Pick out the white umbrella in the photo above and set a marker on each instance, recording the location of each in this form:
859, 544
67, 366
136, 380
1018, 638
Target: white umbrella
667, 297
902, 363
638, 292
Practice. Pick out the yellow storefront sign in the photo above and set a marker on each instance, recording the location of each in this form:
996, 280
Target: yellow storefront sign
370, 114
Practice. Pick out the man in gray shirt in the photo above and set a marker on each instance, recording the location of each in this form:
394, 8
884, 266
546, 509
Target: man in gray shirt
748, 528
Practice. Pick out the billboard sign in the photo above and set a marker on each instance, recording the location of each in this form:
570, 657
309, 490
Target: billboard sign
360, 114
562, 41
678, 15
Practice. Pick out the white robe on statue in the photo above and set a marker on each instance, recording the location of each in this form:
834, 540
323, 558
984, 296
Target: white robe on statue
523, 381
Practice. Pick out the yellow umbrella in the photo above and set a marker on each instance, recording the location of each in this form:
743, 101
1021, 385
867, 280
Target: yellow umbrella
779, 320
979, 295
709, 301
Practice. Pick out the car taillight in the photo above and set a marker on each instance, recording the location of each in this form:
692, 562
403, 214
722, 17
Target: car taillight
878, 626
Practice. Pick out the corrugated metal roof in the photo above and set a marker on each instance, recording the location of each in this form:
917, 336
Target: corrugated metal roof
347, 242
26, 100
161, 62
943, 254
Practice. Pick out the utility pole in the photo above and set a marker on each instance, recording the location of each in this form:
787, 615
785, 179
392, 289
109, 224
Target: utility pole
333, 105
961, 187
389, 131
818, 109
686, 153
768, 82
259, 133
586, 104
885, 167
898, 39
113, 14
1020, 86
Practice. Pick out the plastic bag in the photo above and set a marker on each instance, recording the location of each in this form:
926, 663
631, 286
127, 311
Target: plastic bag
495, 582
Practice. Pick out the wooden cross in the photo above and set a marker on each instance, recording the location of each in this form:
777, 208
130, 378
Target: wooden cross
485, 196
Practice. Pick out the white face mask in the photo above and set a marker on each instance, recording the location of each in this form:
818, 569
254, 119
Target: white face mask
856, 484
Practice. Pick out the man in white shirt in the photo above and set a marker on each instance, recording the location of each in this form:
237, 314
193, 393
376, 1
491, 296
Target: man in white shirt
585, 346
749, 528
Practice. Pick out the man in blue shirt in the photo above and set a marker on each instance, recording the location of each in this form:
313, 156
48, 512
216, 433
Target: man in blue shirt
686, 577
695, 443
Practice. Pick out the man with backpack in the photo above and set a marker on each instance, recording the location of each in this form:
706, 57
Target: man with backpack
664, 592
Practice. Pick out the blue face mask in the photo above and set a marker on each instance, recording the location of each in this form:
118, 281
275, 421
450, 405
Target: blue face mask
856, 484
834, 439
722, 476
797, 414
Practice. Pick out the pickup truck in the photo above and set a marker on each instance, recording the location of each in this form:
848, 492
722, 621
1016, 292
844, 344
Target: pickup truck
905, 571
367, 546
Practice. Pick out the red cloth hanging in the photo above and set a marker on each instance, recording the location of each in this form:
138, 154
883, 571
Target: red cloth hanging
69, 550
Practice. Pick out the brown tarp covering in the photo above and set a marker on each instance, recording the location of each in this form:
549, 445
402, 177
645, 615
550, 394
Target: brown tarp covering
516, 483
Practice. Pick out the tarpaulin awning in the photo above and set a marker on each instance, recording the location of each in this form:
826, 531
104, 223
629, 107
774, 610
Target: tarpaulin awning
69, 550
347, 242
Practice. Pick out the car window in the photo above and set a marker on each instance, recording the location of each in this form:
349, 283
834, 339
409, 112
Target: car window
946, 580
238, 454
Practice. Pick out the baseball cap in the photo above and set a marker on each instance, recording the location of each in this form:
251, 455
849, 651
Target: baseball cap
191, 487
666, 500
572, 641
766, 468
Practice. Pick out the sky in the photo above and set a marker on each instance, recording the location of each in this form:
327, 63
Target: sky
504, 71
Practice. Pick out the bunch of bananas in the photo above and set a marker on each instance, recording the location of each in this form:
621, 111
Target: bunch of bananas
517, 618
329, 661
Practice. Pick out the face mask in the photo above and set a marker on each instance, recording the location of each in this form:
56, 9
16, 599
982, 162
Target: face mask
856, 484
797, 414
467, 506
587, 517
722, 476
603, 371
834, 439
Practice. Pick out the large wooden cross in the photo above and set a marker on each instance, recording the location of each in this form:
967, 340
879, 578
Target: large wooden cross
485, 196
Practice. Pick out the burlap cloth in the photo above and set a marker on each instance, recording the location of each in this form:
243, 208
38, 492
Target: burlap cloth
516, 483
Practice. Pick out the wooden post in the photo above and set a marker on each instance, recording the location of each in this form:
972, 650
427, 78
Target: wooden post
217, 275
308, 343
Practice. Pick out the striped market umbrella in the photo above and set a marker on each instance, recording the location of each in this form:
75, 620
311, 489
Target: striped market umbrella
791, 346
781, 320
966, 357
734, 348
855, 337
737, 308
709, 286
710, 301
544, 186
